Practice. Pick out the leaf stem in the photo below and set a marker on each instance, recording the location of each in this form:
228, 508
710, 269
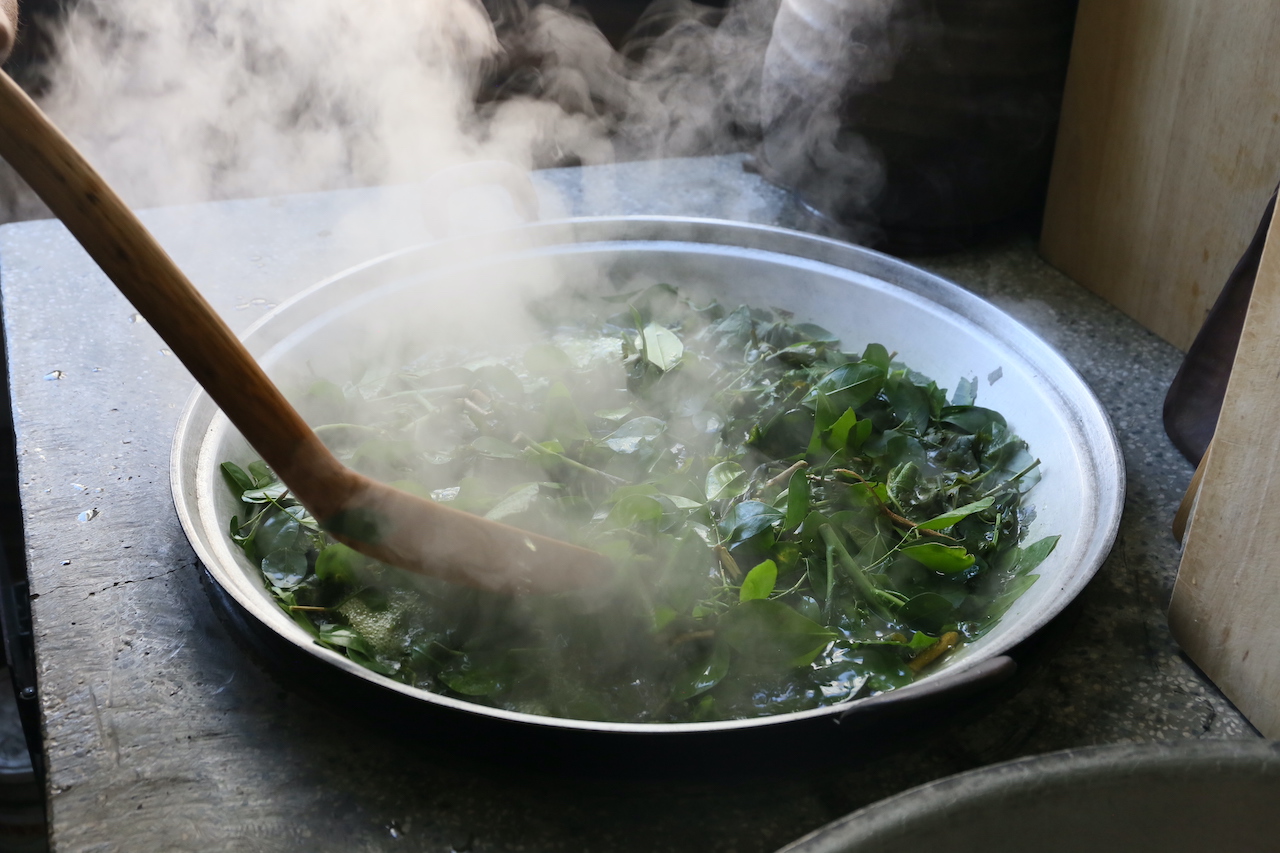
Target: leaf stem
357, 427
893, 516
881, 602
522, 439
783, 477
693, 635
726, 560
1015, 478
929, 654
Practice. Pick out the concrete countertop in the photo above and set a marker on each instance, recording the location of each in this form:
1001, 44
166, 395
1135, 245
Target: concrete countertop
161, 735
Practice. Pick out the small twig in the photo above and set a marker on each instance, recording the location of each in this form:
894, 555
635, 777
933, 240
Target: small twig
726, 560
308, 608
783, 477
1015, 478
929, 654
692, 635
867, 590
522, 439
893, 516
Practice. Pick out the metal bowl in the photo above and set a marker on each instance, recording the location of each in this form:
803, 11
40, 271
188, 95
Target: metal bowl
935, 326
1151, 798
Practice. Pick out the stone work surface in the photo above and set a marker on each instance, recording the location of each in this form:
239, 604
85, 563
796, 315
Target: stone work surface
162, 735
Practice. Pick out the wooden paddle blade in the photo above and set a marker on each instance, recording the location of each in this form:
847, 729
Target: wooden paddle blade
432, 539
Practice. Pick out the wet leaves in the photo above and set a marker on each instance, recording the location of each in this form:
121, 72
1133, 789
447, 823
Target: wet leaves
793, 523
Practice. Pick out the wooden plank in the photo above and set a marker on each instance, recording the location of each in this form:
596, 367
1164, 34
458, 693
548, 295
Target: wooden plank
1225, 610
1168, 148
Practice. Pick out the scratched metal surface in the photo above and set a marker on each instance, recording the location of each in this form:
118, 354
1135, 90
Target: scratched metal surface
162, 735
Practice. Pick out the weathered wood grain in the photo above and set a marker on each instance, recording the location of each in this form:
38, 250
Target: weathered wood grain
1225, 609
1168, 148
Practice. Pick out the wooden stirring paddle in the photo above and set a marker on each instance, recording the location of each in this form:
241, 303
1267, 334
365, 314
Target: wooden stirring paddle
375, 519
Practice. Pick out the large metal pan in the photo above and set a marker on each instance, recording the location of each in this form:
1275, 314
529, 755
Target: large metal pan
402, 302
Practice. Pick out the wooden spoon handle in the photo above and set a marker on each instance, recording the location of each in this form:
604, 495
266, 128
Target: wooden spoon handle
387, 524
124, 249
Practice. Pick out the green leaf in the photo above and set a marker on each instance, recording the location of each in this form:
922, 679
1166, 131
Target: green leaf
260, 473
974, 420
546, 360
496, 448
759, 582
769, 632
346, 638
948, 519
501, 380
517, 500
635, 434
903, 482
266, 494
747, 519
1012, 592
661, 347
614, 415
703, 674
876, 354
948, 559
910, 404
824, 415
802, 354
279, 531
285, 568
299, 512
860, 433
966, 392
725, 481
663, 616
1019, 561
476, 678
816, 334
239, 481
879, 601
797, 500
564, 422
854, 384
633, 489
339, 564
927, 612
838, 432
636, 509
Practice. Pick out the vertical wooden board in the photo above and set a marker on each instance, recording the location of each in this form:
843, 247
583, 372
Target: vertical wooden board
1168, 147
1225, 611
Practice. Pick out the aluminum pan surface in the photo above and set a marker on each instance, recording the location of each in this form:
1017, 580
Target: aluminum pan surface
935, 326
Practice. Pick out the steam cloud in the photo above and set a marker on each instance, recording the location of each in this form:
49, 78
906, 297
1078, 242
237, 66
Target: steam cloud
191, 100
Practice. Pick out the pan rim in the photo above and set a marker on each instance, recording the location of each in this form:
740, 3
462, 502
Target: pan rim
196, 425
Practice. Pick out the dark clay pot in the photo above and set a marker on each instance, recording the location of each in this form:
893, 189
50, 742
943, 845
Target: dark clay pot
916, 125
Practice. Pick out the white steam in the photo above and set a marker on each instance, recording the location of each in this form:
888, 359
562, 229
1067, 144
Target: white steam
192, 100
189, 100
821, 53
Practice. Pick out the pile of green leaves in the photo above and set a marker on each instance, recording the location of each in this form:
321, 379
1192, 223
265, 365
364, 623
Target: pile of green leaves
793, 525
